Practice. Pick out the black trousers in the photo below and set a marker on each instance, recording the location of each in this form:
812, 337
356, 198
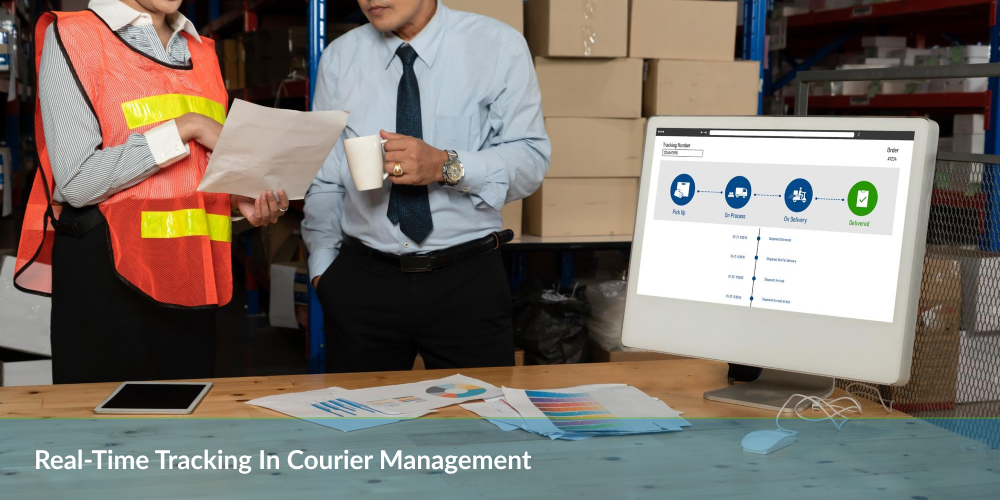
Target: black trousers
105, 331
377, 318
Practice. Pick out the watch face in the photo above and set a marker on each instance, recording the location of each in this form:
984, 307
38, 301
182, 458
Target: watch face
454, 173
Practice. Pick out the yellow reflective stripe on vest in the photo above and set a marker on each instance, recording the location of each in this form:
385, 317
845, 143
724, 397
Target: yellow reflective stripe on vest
160, 108
192, 222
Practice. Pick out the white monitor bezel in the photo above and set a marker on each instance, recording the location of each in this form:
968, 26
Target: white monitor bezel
835, 346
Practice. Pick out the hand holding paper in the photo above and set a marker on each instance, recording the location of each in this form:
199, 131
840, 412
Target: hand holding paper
265, 149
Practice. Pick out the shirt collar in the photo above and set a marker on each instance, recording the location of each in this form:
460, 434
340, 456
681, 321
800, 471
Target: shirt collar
426, 42
118, 15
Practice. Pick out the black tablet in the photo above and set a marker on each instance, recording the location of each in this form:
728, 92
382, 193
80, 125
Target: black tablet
160, 398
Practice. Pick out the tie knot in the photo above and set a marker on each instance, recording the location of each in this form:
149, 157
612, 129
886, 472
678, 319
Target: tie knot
407, 55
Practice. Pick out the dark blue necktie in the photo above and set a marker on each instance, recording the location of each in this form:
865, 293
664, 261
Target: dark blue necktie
408, 205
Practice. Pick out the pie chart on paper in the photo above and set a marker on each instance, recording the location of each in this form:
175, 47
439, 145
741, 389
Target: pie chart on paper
457, 391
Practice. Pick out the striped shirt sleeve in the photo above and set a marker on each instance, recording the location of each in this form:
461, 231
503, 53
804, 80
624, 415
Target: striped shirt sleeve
84, 174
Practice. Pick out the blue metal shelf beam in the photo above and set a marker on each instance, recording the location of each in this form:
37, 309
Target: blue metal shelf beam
317, 41
754, 33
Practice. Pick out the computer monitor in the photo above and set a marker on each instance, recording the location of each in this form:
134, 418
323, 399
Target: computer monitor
793, 244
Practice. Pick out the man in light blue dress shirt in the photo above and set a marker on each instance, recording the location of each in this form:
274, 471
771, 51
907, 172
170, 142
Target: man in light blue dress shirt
413, 267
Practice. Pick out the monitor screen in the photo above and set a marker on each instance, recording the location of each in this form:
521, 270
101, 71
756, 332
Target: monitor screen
799, 221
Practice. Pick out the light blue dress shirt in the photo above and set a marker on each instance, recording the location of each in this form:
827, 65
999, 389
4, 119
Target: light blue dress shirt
479, 96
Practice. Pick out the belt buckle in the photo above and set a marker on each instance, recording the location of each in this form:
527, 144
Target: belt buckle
410, 264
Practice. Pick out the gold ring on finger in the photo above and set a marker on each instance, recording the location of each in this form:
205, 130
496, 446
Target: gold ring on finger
397, 170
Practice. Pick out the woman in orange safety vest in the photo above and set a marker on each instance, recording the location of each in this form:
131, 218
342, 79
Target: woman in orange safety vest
130, 104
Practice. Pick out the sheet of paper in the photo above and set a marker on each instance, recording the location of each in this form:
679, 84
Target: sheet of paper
422, 396
579, 413
262, 149
322, 407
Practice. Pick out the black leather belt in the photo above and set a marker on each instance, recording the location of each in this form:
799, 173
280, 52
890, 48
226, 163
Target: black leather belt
84, 220
424, 262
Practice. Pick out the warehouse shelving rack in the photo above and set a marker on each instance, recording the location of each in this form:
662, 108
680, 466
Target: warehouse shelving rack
942, 22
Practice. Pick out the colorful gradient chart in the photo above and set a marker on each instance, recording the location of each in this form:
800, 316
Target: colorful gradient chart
575, 412
455, 390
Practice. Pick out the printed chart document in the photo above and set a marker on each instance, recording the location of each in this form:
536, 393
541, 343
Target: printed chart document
423, 396
266, 149
349, 410
582, 412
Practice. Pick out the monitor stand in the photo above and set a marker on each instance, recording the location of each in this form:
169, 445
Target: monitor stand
772, 389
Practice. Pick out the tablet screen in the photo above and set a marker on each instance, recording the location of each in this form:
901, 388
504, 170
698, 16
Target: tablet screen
154, 396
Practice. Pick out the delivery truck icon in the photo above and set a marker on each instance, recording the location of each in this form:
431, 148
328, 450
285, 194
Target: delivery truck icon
738, 193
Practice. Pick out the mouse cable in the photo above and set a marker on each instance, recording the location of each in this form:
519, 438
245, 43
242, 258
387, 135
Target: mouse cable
830, 408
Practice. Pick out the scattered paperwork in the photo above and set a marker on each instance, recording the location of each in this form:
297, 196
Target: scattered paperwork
571, 413
580, 412
349, 410
267, 149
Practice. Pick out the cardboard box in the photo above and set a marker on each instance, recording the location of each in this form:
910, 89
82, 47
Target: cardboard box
969, 143
591, 88
595, 147
511, 215
934, 371
506, 11
701, 88
233, 67
893, 87
582, 207
980, 287
950, 85
978, 370
418, 364
576, 28
910, 55
683, 29
970, 124
598, 354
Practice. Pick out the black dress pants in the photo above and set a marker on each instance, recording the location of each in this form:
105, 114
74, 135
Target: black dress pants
377, 318
103, 330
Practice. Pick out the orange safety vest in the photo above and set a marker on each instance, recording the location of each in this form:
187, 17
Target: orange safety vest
168, 241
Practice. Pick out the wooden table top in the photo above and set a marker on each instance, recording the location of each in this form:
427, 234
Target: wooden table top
884, 458
680, 383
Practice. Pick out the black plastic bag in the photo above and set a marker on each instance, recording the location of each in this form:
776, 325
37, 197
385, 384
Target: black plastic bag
550, 325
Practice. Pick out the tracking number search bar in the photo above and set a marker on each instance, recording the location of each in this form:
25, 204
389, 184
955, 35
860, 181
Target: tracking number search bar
782, 133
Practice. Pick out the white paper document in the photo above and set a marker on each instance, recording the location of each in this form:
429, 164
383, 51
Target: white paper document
267, 149
349, 410
582, 412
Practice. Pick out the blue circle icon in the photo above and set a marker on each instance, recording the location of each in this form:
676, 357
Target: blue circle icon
798, 195
738, 192
682, 189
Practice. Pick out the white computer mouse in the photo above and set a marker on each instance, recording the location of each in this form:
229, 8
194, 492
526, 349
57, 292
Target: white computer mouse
768, 441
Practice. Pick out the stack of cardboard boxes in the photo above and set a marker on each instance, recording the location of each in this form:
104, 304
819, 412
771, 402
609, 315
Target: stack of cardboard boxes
592, 103
690, 47
604, 64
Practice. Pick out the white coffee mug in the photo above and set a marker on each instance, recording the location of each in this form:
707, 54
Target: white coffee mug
366, 161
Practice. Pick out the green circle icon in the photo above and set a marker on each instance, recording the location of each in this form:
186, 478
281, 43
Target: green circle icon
862, 198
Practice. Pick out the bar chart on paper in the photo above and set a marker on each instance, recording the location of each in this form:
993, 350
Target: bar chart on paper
575, 412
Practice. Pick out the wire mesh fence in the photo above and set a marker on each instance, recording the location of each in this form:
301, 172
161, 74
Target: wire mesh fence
955, 375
